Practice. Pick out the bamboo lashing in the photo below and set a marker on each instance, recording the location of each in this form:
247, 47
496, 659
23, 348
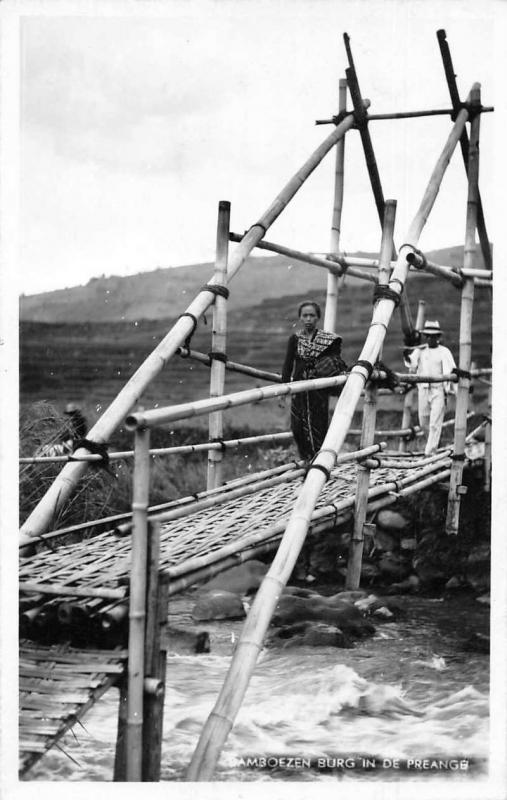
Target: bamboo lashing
329, 323
137, 605
465, 329
218, 345
40, 518
355, 555
222, 717
338, 266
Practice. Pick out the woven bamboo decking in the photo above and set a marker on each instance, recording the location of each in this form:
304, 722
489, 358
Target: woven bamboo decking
58, 684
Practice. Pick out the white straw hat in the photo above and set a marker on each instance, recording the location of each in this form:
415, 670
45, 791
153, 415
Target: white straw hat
432, 328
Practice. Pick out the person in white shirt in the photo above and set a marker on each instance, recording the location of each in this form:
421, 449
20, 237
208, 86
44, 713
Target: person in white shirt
431, 359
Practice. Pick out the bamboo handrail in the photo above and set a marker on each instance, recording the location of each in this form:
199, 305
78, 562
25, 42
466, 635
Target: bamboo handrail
181, 449
339, 265
233, 366
221, 719
62, 487
161, 416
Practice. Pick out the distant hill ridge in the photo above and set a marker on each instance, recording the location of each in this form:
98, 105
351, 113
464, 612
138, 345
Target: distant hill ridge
165, 292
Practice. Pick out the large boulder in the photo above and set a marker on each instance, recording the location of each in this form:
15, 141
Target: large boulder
343, 615
311, 634
242, 579
392, 520
218, 604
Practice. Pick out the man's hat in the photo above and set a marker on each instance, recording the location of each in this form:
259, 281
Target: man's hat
70, 408
432, 328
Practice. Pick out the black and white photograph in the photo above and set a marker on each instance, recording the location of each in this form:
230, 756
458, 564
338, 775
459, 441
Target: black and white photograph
253, 398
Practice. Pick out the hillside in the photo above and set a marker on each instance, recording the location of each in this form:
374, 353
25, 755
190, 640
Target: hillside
90, 361
164, 293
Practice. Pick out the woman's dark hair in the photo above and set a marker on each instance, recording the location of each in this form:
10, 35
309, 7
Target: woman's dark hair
309, 303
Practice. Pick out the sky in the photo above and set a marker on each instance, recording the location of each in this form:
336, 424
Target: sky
136, 119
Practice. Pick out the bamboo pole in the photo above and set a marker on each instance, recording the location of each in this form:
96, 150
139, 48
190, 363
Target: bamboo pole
231, 366
464, 144
222, 717
487, 446
465, 332
137, 605
40, 518
155, 658
339, 265
408, 400
355, 558
329, 323
160, 416
373, 173
431, 112
120, 758
218, 345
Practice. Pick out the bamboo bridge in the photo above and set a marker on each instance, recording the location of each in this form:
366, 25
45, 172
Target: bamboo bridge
79, 601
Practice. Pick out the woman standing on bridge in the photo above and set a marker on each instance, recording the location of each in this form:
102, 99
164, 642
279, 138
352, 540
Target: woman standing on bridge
311, 353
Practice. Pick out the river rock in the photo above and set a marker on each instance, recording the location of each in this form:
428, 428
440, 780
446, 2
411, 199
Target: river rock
187, 642
393, 567
315, 634
408, 543
384, 541
242, 579
392, 520
411, 584
218, 604
347, 617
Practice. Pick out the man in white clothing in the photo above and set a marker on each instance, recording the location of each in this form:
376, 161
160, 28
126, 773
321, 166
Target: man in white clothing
432, 359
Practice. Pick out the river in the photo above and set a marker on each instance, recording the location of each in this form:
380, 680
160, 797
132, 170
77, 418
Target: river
409, 702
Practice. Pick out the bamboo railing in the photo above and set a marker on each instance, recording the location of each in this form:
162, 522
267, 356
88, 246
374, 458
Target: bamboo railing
222, 717
329, 323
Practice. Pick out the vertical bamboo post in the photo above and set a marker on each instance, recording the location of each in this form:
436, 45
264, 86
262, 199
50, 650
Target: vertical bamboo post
487, 447
465, 331
332, 279
408, 400
137, 603
353, 578
218, 343
120, 757
155, 660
